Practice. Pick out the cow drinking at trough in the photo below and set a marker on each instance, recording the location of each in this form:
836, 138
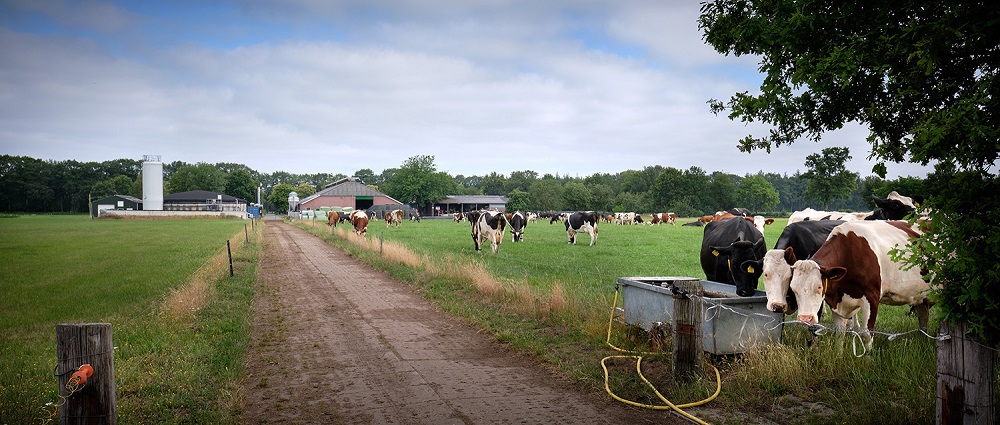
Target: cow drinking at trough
489, 225
798, 240
854, 272
582, 221
517, 222
359, 219
725, 245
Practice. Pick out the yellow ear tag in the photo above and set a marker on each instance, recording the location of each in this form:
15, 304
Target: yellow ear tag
715, 252
749, 269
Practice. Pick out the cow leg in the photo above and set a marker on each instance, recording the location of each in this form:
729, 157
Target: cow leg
572, 238
593, 237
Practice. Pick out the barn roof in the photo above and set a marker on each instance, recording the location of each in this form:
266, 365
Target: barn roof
350, 186
199, 196
125, 197
473, 199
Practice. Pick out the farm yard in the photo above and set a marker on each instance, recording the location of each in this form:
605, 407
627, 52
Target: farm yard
542, 297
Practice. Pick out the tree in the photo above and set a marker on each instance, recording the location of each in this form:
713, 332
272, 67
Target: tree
721, 193
418, 182
828, 176
546, 195
666, 188
304, 189
118, 185
576, 196
367, 176
518, 200
923, 78
279, 197
201, 176
494, 184
602, 198
757, 194
240, 184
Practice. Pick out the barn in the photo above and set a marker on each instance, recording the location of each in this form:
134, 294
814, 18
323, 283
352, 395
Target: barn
347, 192
464, 203
115, 202
203, 200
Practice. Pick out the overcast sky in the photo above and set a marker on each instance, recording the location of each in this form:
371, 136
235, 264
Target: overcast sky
323, 86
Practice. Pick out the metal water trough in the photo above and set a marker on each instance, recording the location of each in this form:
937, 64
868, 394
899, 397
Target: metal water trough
730, 324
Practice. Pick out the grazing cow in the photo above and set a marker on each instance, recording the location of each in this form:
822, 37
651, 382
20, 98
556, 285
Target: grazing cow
558, 217
609, 218
489, 225
667, 217
359, 219
393, 217
533, 217
458, 217
415, 216
725, 246
854, 272
798, 240
332, 218
517, 222
582, 221
638, 220
625, 218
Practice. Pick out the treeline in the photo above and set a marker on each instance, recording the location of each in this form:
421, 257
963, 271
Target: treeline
34, 185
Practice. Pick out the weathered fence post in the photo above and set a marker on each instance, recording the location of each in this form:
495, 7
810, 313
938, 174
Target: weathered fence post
230, 251
86, 343
965, 378
246, 233
688, 347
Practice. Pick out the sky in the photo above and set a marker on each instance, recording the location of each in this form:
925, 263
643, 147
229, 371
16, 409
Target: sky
562, 87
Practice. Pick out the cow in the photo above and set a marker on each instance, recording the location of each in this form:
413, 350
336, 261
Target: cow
810, 214
359, 219
517, 222
558, 217
798, 240
893, 207
725, 245
489, 225
760, 222
393, 217
458, 217
414, 216
533, 217
638, 220
854, 272
332, 218
580, 222
667, 217
706, 219
609, 218
625, 218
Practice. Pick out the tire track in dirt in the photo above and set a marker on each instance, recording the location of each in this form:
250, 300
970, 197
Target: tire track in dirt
335, 341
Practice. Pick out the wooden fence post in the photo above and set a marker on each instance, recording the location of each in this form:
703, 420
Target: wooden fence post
86, 343
688, 347
230, 252
965, 378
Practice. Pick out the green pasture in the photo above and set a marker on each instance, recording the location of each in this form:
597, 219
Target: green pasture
62, 269
894, 383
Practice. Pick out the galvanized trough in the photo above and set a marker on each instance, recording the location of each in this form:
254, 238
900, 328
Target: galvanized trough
730, 324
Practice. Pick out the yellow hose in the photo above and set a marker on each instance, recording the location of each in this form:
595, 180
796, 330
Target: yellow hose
638, 368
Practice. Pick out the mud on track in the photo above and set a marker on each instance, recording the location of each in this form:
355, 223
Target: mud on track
337, 342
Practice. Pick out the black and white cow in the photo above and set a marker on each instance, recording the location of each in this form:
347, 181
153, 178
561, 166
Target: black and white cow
725, 245
798, 240
893, 207
582, 221
489, 225
518, 222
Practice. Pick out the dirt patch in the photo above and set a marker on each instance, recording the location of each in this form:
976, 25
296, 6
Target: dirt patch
337, 342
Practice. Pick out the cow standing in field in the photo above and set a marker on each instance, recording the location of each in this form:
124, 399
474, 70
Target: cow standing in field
359, 219
725, 246
458, 217
667, 217
490, 226
393, 217
853, 272
582, 221
518, 222
798, 240
332, 218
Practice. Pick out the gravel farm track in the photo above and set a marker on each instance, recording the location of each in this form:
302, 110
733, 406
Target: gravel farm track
336, 342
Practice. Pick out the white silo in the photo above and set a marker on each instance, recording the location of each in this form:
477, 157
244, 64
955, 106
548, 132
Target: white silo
152, 183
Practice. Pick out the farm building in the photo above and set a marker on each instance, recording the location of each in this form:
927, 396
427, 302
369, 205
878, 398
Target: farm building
346, 192
464, 203
203, 200
115, 202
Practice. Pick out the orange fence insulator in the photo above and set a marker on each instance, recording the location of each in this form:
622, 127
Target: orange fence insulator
80, 376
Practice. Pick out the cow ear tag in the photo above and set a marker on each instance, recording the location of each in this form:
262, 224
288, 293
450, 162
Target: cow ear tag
715, 252
749, 269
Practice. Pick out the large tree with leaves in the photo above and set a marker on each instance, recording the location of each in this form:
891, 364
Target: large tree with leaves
418, 182
828, 177
922, 76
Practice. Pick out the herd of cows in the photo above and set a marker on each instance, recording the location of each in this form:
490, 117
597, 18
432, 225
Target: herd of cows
842, 259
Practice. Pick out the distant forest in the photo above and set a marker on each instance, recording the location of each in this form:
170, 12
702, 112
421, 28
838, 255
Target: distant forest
33, 185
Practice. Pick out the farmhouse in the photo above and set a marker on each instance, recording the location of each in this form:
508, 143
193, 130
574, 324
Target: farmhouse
115, 202
347, 192
464, 203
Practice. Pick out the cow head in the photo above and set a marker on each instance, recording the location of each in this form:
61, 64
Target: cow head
736, 254
777, 273
893, 207
811, 284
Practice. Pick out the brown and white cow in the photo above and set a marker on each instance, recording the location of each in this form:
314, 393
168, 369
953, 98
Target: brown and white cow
332, 218
359, 219
667, 217
393, 217
853, 272
760, 222
489, 225
458, 217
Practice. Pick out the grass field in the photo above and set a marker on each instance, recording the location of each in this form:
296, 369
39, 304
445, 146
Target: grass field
557, 299
179, 332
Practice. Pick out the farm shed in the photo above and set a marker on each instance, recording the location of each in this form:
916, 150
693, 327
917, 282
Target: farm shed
203, 200
346, 192
463, 203
115, 202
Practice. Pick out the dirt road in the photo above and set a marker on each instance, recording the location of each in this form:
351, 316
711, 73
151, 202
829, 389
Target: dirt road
337, 342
